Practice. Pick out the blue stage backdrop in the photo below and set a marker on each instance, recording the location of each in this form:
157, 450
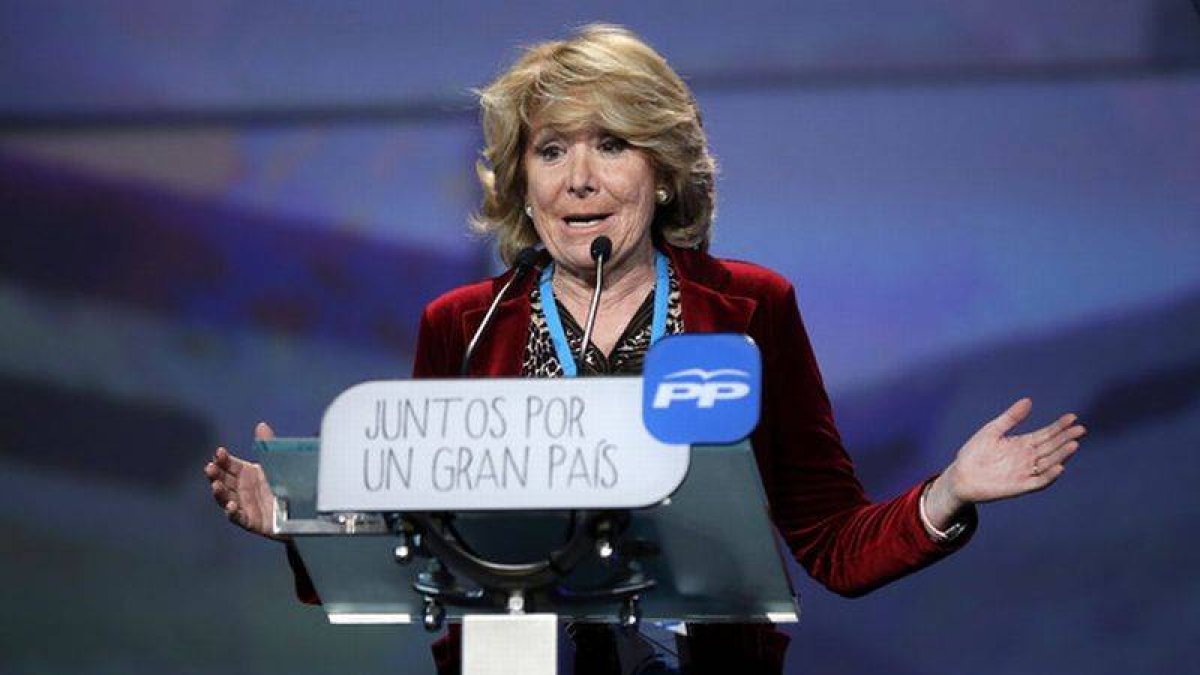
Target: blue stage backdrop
220, 213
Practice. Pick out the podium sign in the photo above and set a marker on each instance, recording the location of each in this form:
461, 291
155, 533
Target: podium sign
499, 444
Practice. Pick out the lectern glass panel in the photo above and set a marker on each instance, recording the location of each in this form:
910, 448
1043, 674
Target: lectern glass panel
718, 561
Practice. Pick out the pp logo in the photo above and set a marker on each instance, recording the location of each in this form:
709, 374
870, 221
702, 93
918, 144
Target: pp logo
702, 388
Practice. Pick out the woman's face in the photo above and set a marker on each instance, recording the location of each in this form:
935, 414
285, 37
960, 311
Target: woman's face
582, 184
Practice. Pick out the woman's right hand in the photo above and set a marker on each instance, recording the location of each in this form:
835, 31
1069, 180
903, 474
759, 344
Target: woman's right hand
241, 489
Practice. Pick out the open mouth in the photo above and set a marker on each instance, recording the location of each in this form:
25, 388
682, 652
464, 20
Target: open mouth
585, 220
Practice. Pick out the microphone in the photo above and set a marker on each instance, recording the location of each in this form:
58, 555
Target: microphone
521, 266
601, 250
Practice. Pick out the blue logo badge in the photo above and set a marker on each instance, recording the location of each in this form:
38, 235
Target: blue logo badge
702, 388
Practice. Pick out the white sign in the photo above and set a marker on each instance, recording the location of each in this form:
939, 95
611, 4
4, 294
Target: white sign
434, 445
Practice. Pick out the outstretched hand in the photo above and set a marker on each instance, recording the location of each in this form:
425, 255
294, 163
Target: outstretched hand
992, 465
240, 488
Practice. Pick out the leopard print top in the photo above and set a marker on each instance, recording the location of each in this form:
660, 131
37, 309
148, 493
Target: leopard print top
541, 360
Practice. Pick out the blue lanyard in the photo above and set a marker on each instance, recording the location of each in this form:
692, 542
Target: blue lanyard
562, 349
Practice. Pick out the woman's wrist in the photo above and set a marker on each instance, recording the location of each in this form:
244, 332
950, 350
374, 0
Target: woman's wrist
940, 507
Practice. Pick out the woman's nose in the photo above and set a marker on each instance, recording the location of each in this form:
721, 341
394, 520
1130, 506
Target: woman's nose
581, 177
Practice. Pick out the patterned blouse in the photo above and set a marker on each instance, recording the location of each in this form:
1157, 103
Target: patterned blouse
541, 360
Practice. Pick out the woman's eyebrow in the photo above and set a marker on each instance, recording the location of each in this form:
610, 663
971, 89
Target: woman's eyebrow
545, 133
549, 132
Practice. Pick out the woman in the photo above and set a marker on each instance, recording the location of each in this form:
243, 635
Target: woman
597, 135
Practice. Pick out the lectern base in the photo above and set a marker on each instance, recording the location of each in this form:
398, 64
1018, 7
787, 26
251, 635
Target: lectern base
500, 644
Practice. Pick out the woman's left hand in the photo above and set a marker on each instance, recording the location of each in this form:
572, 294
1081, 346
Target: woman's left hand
992, 465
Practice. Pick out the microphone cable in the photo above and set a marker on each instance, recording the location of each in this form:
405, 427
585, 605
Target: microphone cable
601, 250
521, 266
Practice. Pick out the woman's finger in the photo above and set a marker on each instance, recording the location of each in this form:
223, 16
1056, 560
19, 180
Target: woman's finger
1010, 418
1062, 438
222, 493
235, 514
215, 473
228, 462
1060, 455
263, 432
222, 459
1043, 480
1050, 430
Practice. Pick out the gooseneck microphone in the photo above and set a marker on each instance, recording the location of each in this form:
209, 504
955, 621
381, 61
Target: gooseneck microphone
601, 250
521, 266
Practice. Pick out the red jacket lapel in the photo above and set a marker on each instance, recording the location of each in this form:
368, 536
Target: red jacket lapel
708, 306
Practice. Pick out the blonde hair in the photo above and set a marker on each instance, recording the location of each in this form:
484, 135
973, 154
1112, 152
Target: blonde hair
606, 76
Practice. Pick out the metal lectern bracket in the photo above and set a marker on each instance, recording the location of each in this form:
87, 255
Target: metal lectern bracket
513, 586
331, 524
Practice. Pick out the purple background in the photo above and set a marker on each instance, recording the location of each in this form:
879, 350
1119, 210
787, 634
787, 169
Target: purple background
215, 213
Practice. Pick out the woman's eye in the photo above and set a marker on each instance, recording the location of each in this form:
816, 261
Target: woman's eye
613, 145
549, 152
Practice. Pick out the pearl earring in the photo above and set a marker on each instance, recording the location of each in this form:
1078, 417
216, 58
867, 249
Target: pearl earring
662, 195
529, 211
